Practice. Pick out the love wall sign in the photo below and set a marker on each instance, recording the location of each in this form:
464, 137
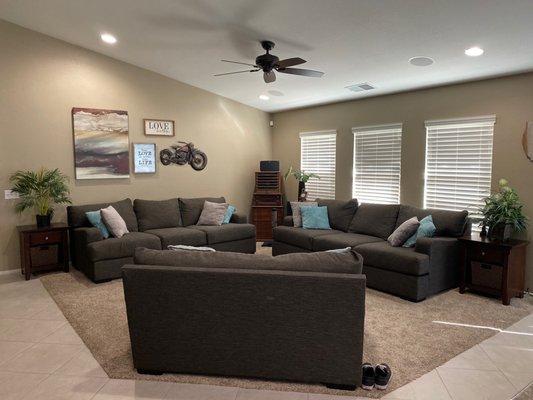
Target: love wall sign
158, 127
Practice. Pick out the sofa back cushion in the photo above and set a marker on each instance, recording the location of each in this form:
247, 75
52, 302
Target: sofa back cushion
191, 209
447, 223
340, 212
375, 220
157, 214
77, 218
348, 262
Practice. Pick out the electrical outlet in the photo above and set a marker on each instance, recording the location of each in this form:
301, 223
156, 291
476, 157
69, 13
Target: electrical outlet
10, 195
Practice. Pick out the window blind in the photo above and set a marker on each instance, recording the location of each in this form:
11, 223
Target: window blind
317, 155
377, 162
458, 164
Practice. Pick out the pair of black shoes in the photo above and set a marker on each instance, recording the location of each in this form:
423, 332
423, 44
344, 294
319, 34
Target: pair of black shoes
378, 376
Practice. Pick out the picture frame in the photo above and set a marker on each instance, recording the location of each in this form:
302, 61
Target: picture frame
144, 158
159, 127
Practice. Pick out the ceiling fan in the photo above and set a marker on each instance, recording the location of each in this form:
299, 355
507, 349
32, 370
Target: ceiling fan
268, 63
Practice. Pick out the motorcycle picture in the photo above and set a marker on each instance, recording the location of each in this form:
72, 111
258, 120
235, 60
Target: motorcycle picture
183, 153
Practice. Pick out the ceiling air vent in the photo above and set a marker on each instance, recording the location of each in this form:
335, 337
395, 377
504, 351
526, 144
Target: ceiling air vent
360, 87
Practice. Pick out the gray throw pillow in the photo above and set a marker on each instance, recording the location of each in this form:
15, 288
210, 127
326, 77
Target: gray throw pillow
403, 232
213, 214
296, 212
114, 222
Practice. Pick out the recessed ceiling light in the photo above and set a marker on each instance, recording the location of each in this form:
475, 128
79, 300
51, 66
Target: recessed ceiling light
108, 38
264, 97
275, 93
474, 51
421, 61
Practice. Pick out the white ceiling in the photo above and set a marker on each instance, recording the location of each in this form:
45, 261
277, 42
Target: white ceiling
352, 41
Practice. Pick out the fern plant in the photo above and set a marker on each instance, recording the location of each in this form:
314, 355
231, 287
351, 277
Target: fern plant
40, 190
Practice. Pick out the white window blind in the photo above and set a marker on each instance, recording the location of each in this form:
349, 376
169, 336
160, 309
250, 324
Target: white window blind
318, 150
377, 163
458, 163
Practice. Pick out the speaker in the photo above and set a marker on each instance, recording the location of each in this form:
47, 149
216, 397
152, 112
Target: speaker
270, 165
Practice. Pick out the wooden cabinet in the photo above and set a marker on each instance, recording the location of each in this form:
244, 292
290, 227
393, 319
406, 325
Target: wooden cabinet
43, 249
493, 267
267, 204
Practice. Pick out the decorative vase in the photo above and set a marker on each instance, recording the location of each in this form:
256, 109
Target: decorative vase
301, 191
43, 220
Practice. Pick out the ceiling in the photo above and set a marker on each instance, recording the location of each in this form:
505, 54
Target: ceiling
352, 41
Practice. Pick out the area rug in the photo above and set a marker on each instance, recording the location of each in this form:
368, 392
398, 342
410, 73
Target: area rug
401, 333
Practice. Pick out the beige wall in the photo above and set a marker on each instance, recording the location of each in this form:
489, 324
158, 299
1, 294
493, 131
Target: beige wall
41, 79
509, 98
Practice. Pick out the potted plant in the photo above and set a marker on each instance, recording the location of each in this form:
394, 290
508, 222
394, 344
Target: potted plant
502, 212
40, 191
302, 177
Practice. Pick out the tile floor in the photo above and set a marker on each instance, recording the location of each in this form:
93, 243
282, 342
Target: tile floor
42, 357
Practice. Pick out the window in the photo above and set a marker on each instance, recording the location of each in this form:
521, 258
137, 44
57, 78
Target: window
377, 163
318, 156
458, 163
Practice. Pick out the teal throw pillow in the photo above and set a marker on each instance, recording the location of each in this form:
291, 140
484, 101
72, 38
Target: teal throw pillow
229, 213
426, 229
315, 217
95, 218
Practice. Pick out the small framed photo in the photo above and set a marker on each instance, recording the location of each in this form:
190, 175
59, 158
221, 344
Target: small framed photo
144, 156
158, 127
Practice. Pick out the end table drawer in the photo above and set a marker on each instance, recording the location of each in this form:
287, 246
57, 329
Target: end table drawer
487, 275
44, 255
45, 237
486, 255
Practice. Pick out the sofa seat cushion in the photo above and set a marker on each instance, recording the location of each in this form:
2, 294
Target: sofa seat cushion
112, 248
342, 240
227, 232
179, 235
299, 237
399, 259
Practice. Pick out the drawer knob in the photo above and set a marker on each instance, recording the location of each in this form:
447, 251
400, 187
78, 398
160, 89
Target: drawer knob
482, 253
46, 238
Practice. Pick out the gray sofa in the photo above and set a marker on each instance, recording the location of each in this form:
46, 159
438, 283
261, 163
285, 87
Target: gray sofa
298, 317
412, 273
153, 224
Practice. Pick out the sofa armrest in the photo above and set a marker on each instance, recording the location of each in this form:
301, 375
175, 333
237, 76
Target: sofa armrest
79, 239
239, 218
87, 235
443, 253
288, 221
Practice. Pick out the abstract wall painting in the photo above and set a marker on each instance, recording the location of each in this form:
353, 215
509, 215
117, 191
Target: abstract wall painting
101, 143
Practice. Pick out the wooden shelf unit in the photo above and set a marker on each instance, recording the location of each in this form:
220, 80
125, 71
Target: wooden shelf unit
267, 203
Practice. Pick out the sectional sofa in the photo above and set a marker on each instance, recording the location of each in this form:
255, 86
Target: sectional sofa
431, 266
154, 225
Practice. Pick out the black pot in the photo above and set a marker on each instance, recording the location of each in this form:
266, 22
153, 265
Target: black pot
501, 232
301, 191
43, 220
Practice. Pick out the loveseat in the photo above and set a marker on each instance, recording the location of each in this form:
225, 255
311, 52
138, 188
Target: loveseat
297, 317
429, 267
154, 224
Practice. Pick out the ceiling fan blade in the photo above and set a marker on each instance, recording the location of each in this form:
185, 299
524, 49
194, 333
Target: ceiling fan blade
269, 76
236, 72
289, 62
241, 63
302, 72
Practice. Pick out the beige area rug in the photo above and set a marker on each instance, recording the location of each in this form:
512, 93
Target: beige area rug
398, 332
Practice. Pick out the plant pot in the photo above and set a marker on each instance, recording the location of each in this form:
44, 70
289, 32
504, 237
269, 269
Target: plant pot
43, 220
301, 191
501, 232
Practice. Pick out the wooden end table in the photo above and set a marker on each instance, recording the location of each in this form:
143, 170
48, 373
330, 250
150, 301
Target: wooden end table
493, 267
43, 249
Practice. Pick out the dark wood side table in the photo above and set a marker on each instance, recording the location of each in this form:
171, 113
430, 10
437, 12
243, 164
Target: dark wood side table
43, 249
493, 267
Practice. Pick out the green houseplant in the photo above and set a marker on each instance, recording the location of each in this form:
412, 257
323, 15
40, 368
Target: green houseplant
302, 177
502, 212
40, 190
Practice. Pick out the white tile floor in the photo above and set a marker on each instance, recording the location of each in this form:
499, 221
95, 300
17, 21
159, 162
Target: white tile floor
42, 357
